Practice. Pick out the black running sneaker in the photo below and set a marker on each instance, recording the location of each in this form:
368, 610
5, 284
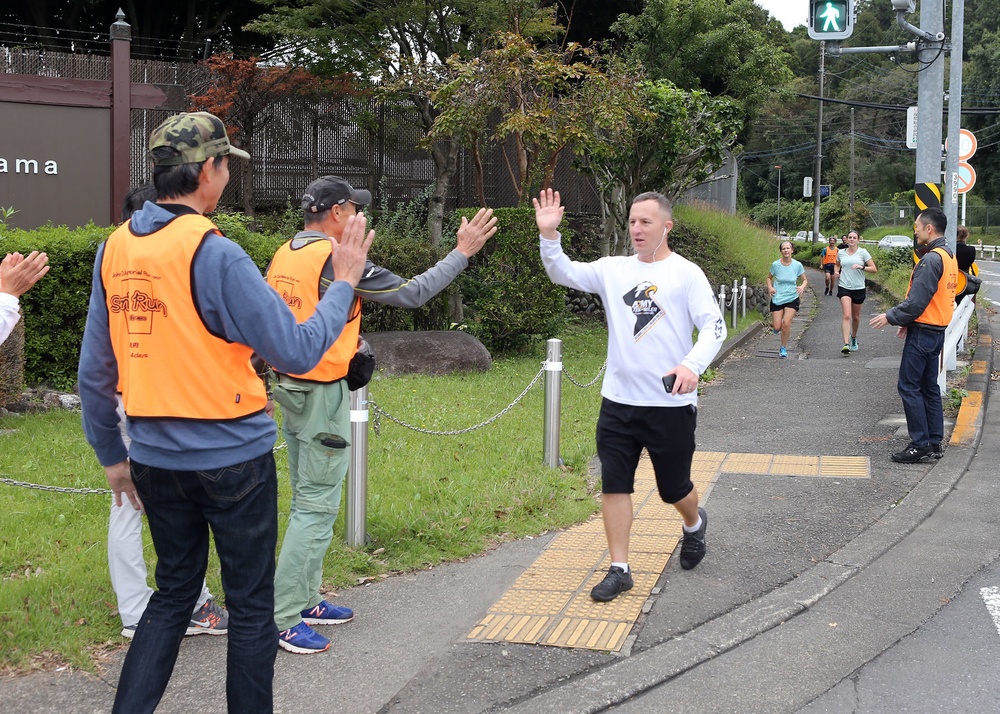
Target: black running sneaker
693, 544
936, 451
912, 454
615, 583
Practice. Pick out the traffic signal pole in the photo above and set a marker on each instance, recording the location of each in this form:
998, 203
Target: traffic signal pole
818, 168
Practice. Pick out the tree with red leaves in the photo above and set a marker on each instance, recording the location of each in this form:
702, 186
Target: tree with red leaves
242, 92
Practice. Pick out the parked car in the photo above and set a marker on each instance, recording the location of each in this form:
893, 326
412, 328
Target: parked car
895, 241
807, 236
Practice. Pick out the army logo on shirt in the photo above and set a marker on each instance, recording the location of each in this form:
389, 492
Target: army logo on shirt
646, 311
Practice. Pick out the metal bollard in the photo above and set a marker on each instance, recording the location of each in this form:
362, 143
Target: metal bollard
356, 519
722, 300
733, 318
743, 299
553, 399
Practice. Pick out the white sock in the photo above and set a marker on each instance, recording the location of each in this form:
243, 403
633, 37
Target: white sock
623, 566
695, 527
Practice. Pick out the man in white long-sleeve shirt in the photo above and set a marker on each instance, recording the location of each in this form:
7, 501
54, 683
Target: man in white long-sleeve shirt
654, 300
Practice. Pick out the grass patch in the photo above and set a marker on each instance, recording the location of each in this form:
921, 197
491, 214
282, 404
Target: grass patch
727, 247
431, 498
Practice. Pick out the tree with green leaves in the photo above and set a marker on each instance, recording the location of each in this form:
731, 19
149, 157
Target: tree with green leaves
729, 48
675, 140
170, 30
401, 44
548, 100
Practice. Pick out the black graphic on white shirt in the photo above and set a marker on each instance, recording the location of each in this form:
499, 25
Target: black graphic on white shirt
646, 311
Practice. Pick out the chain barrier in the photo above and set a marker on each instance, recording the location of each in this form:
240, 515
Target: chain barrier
58, 489
376, 423
379, 412
592, 382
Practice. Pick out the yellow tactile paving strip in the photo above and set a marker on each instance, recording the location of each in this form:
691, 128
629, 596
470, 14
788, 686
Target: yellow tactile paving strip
550, 603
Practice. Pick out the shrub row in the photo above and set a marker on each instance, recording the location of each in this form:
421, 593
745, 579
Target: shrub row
509, 300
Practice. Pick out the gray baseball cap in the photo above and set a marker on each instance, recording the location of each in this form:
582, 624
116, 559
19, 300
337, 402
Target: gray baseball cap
328, 191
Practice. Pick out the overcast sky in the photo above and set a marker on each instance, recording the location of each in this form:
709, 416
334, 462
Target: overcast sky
791, 13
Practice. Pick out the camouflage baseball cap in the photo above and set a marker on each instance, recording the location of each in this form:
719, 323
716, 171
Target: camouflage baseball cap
198, 136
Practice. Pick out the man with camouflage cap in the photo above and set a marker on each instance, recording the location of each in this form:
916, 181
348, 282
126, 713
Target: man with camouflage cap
315, 404
176, 309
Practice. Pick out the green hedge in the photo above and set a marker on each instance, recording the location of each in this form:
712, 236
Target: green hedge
510, 300
55, 310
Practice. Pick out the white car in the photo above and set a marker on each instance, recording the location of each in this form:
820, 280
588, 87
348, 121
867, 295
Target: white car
807, 236
895, 241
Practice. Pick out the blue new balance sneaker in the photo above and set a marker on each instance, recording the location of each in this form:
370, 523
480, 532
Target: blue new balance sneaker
327, 614
302, 639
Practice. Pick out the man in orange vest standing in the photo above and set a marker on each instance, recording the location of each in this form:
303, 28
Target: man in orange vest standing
175, 313
922, 318
829, 256
315, 403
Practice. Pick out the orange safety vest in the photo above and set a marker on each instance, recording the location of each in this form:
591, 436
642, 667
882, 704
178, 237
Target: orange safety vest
942, 305
169, 364
295, 273
829, 258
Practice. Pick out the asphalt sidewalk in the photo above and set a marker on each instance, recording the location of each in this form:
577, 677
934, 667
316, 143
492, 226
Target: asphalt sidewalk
806, 579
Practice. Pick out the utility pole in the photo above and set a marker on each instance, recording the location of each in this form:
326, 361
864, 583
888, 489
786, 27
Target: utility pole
930, 97
777, 230
850, 226
818, 169
954, 119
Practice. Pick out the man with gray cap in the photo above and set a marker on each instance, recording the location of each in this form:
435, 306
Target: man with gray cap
175, 313
315, 403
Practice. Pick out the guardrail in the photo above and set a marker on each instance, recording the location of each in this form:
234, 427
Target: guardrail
954, 341
982, 251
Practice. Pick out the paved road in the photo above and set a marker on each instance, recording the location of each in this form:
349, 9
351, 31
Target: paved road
806, 579
948, 665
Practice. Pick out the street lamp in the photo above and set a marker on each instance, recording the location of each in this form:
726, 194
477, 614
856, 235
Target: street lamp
777, 229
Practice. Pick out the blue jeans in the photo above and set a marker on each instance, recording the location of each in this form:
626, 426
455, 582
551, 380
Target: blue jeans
918, 387
240, 504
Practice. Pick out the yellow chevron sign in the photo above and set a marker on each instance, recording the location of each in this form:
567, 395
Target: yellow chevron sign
927, 195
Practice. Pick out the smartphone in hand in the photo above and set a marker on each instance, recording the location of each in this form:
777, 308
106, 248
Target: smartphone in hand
668, 382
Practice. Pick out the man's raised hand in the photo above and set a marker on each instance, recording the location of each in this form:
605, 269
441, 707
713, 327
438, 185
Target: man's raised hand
472, 235
351, 253
548, 213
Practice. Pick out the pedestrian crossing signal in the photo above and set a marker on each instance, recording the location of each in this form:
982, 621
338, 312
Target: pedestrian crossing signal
831, 19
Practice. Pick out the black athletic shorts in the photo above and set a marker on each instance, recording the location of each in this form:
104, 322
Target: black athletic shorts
828, 268
794, 304
857, 296
667, 433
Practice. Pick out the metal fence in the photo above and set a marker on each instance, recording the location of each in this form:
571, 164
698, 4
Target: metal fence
372, 143
893, 214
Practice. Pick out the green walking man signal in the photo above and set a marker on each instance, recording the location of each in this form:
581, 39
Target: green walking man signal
831, 19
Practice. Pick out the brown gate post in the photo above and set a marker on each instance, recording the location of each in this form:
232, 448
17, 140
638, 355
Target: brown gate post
121, 101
